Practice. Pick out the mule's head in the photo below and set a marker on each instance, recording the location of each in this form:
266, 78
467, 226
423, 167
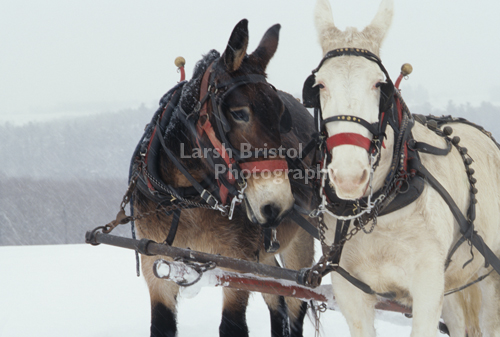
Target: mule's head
253, 115
350, 85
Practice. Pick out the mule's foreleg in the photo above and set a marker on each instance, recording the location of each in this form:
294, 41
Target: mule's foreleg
454, 315
490, 309
278, 312
427, 291
234, 313
461, 312
299, 254
287, 315
163, 295
357, 307
297, 312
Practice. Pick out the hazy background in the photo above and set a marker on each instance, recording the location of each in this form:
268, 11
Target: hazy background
65, 58
80, 79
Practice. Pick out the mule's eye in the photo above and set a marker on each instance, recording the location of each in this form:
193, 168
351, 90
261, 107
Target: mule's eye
321, 86
240, 114
378, 84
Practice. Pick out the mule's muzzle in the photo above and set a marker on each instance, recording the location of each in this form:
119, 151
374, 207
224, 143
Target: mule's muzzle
273, 214
350, 185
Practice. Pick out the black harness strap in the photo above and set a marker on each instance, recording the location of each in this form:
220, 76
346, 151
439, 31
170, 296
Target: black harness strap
173, 227
340, 233
372, 127
207, 196
427, 148
465, 227
453, 250
306, 225
357, 282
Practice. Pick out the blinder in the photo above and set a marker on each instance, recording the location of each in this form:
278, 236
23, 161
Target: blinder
286, 118
310, 93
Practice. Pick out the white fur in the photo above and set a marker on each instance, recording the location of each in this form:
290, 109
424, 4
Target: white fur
407, 250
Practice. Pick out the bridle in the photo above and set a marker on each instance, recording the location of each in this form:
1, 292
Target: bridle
229, 189
311, 100
387, 114
406, 167
233, 160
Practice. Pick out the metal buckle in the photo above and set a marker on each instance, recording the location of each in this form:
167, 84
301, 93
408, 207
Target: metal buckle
237, 199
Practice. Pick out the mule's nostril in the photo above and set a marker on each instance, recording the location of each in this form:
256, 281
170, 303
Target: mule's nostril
364, 176
270, 212
332, 174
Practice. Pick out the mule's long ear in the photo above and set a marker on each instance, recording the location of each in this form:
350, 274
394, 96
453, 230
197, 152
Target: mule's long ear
267, 47
236, 47
323, 19
377, 30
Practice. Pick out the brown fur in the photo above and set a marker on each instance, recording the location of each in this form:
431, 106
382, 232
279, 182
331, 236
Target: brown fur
207, 230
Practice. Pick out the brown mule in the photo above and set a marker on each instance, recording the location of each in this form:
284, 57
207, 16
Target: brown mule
224, 115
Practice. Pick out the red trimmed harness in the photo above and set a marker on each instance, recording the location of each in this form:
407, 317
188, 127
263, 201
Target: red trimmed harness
350, 138
204, 126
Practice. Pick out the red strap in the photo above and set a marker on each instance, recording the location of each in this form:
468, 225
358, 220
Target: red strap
223, 192
209, 130
400, 112
276, 165
348, 138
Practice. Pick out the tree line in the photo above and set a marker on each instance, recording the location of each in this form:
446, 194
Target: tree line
61, 178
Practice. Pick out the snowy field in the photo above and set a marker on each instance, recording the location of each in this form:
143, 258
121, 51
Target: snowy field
81, 290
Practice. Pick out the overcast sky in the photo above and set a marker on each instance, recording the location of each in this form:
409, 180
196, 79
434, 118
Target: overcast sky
63, 57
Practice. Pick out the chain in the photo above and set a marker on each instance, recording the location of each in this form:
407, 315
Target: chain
317, 311
322, 229
122, 218
317, 271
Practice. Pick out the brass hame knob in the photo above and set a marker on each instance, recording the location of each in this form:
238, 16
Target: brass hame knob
406, 69
180, 62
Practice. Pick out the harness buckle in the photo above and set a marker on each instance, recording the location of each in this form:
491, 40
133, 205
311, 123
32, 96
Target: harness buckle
237, 199
209, 198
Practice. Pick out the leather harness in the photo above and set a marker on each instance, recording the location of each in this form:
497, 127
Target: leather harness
406, 170
221, 193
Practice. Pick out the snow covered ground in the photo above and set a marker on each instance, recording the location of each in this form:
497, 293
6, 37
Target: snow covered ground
81, 290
